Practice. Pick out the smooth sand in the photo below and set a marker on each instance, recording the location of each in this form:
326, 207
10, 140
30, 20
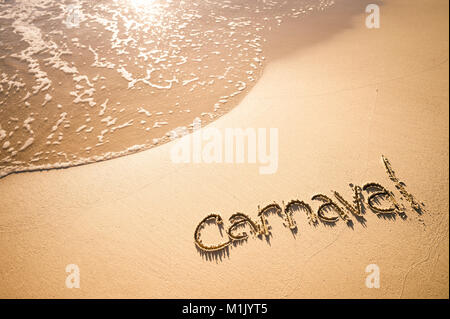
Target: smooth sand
339, 103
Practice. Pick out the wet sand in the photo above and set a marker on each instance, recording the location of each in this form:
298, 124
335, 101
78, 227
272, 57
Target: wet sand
127, 76
348, 96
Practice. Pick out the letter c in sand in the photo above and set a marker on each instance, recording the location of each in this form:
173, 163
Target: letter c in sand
218, 220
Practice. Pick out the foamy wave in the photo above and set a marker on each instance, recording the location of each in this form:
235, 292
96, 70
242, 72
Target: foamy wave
84, 81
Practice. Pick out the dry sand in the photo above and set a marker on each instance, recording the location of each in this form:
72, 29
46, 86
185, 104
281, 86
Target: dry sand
340, 101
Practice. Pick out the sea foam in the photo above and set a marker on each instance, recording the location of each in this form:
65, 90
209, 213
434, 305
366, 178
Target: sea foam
84, 81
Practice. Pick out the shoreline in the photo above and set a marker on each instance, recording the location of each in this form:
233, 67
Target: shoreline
114, 148
339, 105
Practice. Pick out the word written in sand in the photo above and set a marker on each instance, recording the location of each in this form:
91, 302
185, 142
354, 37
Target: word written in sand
378, 195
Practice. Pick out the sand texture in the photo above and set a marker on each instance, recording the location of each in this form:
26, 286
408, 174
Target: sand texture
341, 96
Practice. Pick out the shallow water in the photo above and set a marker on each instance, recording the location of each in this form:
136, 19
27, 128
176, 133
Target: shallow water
84, 81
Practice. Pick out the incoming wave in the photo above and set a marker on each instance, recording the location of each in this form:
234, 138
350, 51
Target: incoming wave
84, 81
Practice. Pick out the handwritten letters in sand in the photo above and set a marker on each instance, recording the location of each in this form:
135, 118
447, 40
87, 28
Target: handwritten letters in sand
380, 200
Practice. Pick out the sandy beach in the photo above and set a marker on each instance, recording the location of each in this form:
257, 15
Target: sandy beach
341, 95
